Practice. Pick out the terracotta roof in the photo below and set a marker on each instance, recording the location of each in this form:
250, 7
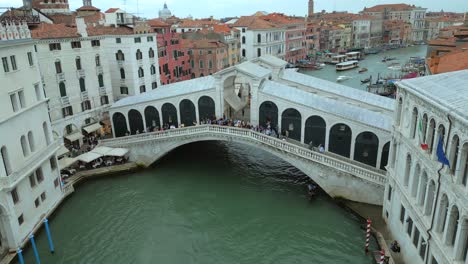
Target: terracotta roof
52, 31
450, 42
280, 19
453, 61
252, 22
102, 30
68, 19
112, 10
196, 23
201, 43
157, 23
389, 7
88, 8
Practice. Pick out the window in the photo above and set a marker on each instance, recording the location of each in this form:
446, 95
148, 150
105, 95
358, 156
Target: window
192, 63
402, 214
149, 39
141, 72
24, 146
243, 52
76, 45
32, 145
67, 111
118, 40
78, 63
120, 56
14, 196
409, 229
259, 38
63, 89
210, 64
54, 46
201, 64
82, 85
43, 196
20, 219
137, 40
53, 163
151, 53
95, 43
139, 55
122, 73
153, 70
86, 105
22, 100
104, 100
98, 60
32, 180
123, 90
56, 182
142, 89
30, 59
6, 66
200, 52
58, 67
416, 237
243, 39
39, 175
154, 85
243, 30
259, 52
45, 129
37, 202
101, 80
5, 160
13, 63
14, 102
389, 197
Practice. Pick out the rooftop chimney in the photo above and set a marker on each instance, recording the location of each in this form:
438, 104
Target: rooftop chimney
81, 27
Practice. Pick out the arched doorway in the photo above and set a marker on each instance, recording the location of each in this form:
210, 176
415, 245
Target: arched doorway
384, 159
340, 140
315, 131
120, 124
152, 118
187, 112
206, 108
268, 113
136, 122
169, 113
366, 148
291, 122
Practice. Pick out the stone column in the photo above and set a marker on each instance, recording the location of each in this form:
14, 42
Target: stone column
436, 142
353, 145
303, 122
379, 154
113, 125
449, 227
145, 126
460, 165
179, 121
128, 122
327, 136
461, 239
161, 124
197, 114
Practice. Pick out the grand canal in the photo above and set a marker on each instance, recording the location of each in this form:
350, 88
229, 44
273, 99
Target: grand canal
203, 203
374, 65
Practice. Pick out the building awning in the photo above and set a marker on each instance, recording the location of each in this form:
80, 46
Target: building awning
74, 137
102, 150
88, 157
62, 151
92, 128
118, 152
66, 162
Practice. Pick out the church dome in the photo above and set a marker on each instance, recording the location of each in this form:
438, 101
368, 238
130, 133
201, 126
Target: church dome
165, 12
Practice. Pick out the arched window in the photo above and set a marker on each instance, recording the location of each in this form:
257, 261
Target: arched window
441, 134
5, 160
442, 213
82, 85
32, 145
415, 180
58, 67
153, 70
259, 38
141, 72
139, 55
63, 89
424, 128
24, 146
407, 170
45, 129
243, 39
453, 155
451, 228
101, 80
414, 123
259, 52
151, 53
431, 135
98, 60
384, 157
429, 201
122, 73
464, 165
366, 148
398, 112
339, 141
243, 53
422, 188
120, 56
78, 63
291, 124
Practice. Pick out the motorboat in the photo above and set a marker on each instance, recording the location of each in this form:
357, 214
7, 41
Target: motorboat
342, 78
348, 65
362, 70
385, 59
395, 67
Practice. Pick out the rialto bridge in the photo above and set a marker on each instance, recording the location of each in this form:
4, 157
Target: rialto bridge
352, 125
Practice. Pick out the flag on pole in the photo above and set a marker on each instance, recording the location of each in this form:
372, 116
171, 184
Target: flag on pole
441, 154
422, 141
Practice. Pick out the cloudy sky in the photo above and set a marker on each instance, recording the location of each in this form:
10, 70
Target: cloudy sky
225, 8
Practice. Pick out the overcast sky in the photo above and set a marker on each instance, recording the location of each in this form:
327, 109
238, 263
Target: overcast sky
226, 8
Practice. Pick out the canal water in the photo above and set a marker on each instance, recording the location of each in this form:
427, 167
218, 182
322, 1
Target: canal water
374, 65
204, 203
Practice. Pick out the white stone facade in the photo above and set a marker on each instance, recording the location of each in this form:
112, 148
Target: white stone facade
29, 175
361, 33
255, 43
427, 212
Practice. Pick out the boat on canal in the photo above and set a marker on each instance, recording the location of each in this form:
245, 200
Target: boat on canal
362, 70
338, 59
385, 59
347, 65
367, 80
305, 64
342, 78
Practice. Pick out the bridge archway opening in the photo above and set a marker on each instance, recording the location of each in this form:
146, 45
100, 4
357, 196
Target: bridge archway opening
187, 113
384, 159
315, 131
152, 118
366, 148
268, 114
291, 123
169, 113
135, 121
236, 90
206, 108
340, 140
119, 123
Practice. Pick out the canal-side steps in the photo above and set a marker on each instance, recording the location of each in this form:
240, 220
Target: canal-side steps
338, 176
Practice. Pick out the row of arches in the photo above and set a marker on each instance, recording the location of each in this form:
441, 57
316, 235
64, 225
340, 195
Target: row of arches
152, 119
340, 138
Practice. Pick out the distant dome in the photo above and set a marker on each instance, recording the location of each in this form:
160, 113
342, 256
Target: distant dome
165, 13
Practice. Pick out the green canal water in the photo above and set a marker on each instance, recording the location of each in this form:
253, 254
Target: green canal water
203, 203
374, 65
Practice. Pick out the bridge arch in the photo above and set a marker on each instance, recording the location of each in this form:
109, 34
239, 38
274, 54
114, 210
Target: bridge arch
366, 148
206, 108
152, 118
340, 138
268, 112
384, 158
291, 121
135, 121
187, 112
119, 123
169, 113
315, 131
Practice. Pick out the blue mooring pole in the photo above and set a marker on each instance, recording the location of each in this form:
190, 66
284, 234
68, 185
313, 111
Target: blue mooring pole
20, 256
33, 244
49, 236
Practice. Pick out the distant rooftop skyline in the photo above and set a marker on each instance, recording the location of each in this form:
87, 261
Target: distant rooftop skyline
231, 8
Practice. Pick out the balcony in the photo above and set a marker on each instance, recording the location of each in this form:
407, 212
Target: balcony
140, 63
152, 60
65, 100
120, 63
102, 91
99, 70
80, 73
122, 82
141, 81
124, 21
84, 96
60, 77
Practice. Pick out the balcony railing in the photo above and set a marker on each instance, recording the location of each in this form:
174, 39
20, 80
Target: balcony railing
80, 73
99, 70
84, 96
141, 81
102, 91
60, 77
122, 82
120, 63
65, 100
